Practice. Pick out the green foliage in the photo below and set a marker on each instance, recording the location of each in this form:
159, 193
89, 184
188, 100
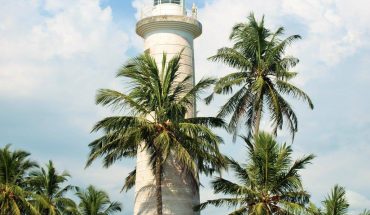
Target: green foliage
47, 184
156, 103
269, 183
27, 190
158, 121
263, 78
365, 212
14, 198
156, 115
96, 202
336, 203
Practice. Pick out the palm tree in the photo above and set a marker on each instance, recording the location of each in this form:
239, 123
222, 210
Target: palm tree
269, 182
14, 198
262, 80
96, 202
157, 104
312, 209
47, 184
365, 212
336, 203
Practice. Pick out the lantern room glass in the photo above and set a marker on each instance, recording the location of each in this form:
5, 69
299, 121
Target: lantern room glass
157, 2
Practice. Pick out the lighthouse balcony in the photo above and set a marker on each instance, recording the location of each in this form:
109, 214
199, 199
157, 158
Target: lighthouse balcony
168, 15
165, 23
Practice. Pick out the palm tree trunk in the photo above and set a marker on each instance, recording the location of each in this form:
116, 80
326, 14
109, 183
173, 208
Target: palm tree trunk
258, 101
258, 120
158, 183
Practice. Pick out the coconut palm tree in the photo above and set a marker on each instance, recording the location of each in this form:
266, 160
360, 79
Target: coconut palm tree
14, 198
336, 203
96, 202
365, 212
263, 78
48, 185
270, 182
156, 105
312, 209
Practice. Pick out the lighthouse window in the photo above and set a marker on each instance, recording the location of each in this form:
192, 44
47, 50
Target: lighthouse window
156, 2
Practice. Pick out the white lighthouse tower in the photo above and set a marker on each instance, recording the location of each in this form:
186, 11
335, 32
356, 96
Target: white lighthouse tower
166, 28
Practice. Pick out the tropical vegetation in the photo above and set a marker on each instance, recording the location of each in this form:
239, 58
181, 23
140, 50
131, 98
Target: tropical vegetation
262, 80
156, 114
96, 202
27, 189
335, 203
50, 196
158, 118
14, 197
269, 183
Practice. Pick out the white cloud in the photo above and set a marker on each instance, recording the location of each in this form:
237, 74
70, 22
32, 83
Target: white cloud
357, 200
59, 53
141, 6
59, 39
331, 30
345, 166
62, 51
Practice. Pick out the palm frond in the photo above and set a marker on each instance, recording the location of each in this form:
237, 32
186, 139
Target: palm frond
230, 202
130, 181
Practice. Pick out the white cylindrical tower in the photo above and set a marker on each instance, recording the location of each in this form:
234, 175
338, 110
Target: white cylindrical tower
166, 28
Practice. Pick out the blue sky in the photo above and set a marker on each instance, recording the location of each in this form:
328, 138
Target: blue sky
55, 54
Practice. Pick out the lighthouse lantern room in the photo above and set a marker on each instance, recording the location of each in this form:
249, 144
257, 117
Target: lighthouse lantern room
180, 2
169, 7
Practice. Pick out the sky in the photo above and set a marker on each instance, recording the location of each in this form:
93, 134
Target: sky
55, 55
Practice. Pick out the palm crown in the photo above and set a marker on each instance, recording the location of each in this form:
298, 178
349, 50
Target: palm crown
14, 198
96, 202
263, 78
269, 182
334, 204
47, 184
157, 104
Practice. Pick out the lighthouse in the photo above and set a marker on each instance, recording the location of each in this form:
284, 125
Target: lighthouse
166, 27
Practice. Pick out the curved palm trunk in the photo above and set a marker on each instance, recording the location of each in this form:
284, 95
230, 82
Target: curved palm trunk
158, 184
258, 120
259, 102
